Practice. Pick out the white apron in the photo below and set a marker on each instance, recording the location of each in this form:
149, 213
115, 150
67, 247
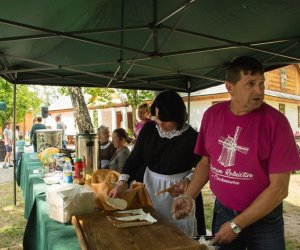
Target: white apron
162, 203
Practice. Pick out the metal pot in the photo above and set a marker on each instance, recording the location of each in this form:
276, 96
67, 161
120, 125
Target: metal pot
48, 138
87, 148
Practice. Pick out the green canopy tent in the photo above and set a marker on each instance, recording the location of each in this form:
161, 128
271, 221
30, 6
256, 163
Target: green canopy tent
142, 44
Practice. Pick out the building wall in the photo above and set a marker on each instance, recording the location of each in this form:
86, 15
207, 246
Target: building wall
198, 107
67, 117
275, 80
291, 113
110, 117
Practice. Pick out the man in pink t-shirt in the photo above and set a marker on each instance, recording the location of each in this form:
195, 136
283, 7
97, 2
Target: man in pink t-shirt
248, 151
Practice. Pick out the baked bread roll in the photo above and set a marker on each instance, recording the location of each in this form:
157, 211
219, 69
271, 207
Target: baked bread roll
117, 203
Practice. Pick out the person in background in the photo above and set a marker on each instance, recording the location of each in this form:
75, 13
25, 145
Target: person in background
144, 116
61, 125
20, 144
248, 151
37, 125
106, 147
119, 140
166, 147
8, 141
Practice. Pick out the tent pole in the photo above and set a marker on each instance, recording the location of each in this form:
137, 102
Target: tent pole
14, 142
189, 102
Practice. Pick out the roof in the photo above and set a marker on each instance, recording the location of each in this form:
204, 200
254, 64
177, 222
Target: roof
142, 44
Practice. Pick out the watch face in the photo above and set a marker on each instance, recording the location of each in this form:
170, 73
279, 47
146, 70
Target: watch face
235, 227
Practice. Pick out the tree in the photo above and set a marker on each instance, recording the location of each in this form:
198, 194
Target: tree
26, 101
48, 93
81, 112
134, 98
82, 117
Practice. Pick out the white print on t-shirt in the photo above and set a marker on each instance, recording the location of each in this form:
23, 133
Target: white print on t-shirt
230, 146
232, 176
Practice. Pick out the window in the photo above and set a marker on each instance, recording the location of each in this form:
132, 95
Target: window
282, 108
283, 78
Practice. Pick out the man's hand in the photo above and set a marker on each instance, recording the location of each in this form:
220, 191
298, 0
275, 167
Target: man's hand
178, 188
182, 206
225, 235
119, 189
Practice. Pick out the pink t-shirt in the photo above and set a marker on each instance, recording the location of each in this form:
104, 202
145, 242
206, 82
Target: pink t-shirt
244, 150
139, 126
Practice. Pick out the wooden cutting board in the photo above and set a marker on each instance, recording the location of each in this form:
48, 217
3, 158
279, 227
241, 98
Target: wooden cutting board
95, 231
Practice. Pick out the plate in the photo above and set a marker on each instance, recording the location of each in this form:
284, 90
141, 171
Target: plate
51, 180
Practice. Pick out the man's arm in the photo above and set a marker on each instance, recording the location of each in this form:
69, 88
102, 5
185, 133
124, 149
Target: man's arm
183, 205
200, 178
269, 199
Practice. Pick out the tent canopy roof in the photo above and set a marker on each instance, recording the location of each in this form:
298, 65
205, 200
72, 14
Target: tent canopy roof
142, 44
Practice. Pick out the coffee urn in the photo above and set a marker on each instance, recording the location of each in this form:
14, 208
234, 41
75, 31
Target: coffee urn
87, 149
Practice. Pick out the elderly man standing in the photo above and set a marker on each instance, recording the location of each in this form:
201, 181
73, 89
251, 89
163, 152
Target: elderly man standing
61, 125
248, 150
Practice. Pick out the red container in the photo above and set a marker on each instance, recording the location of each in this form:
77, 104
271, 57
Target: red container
78, 168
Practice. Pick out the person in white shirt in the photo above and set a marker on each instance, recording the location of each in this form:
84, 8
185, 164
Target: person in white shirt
61, 125
8, 135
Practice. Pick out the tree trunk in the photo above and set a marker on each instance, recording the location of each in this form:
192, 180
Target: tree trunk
134, 118
81, 112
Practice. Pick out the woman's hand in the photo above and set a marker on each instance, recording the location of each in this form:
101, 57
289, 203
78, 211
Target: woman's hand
179, 187
119, 189
183, 206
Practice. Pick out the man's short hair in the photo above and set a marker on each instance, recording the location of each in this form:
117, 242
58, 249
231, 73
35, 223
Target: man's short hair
8, 122
246, 64
39, 118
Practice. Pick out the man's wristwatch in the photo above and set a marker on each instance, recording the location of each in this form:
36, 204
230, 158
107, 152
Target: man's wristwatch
235, 228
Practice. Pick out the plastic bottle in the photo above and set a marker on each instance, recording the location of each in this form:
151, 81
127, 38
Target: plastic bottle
67, 172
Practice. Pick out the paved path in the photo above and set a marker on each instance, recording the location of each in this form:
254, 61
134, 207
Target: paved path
6, 175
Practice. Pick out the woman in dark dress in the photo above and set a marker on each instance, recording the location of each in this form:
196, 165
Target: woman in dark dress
166, 147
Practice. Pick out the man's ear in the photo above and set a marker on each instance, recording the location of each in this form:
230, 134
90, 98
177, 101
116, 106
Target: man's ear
228, 87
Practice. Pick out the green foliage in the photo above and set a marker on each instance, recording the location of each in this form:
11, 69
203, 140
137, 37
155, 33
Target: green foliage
130, 133
95, 119
98, 94
25, 101
135, 97
131, 96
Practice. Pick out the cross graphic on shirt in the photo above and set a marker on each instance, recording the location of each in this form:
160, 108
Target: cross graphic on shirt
230, 146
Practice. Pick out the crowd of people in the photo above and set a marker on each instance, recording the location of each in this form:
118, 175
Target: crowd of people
238, 150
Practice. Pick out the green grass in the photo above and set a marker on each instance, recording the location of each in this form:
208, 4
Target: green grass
208, 201
12, 222
292, 245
